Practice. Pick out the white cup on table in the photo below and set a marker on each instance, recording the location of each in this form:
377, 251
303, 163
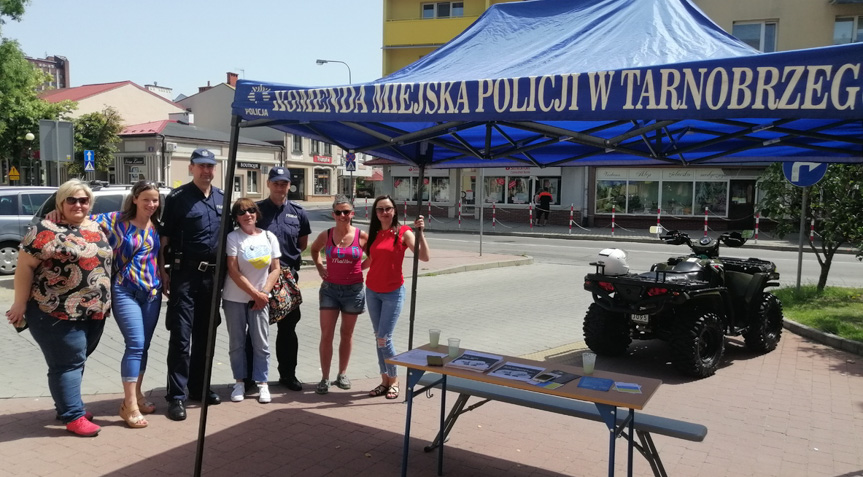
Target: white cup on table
588, 362
434, 337
454, 344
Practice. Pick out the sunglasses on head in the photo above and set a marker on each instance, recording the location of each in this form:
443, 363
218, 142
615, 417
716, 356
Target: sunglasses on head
77, 200
250, 210
384, 210
343, 212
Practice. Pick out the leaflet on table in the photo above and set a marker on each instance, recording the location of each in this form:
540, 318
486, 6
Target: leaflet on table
516, 371
560, 378
417, 356
633, 388
597, 384
475, 361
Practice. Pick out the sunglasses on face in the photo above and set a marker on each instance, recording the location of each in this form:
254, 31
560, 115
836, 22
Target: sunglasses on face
77, 200
250, 210
384, 210
343, 212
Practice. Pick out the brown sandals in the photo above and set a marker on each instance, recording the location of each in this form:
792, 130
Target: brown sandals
393, 392
133, 417
378, 391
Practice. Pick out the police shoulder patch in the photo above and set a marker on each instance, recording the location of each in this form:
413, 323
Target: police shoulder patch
296, 204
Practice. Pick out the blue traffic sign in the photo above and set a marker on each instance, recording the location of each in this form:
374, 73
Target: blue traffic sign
89, 161
350, 162
804, 174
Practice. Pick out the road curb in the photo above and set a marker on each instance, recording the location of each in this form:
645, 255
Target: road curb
828, 339
479, 266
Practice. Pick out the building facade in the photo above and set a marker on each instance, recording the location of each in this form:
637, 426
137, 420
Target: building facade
593, 195
57, 67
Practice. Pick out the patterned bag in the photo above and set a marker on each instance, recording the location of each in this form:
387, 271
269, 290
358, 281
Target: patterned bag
285, 296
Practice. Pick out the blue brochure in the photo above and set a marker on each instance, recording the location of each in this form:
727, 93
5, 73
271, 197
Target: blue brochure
597, 384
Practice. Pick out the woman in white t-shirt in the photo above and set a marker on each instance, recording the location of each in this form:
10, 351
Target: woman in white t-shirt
253, 267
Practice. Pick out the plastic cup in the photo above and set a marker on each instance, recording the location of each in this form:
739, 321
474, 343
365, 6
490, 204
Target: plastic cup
434, 337
454, 344
588, 362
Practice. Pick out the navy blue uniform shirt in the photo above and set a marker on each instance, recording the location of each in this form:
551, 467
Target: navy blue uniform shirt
191, 221
288, 222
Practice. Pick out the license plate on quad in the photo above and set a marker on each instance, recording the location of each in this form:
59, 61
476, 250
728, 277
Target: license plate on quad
640, 318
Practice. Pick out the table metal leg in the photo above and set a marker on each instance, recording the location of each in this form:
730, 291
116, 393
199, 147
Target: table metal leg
442, 421
630, 439
609, 416
413, 378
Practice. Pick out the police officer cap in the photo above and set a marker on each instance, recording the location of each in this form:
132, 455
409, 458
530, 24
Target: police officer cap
280, 174
203, 156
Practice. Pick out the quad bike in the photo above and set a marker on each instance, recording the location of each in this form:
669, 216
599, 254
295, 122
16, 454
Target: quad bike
691, 302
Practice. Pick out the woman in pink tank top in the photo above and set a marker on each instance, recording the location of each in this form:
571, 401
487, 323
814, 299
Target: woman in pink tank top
341, 289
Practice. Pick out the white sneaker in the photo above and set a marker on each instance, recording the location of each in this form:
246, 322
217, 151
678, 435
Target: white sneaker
263, 394
238, 392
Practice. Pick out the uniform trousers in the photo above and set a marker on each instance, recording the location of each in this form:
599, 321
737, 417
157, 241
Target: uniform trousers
189, 307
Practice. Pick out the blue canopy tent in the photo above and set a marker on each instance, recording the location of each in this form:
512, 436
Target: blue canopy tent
582, 83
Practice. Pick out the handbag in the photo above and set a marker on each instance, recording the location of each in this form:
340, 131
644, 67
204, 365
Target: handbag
285, 296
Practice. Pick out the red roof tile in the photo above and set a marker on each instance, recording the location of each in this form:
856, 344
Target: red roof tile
82, 92
152, 127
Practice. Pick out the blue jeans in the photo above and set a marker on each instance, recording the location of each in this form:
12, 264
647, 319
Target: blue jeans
65, 345
241, 318
384, 310
137, 313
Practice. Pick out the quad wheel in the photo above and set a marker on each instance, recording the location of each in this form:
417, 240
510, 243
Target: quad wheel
697, 345
764, 332
606, 333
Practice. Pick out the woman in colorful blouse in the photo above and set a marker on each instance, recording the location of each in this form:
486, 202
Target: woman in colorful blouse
63, 286
341, 289
385, 291
136, 288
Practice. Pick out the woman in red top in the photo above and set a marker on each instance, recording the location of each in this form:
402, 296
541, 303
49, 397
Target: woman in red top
385, 291
341, 289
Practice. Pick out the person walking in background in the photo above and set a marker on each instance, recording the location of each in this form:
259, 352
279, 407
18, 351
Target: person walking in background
341, 289
63, 286
190, 228
135, 288
385, 291
288, 222
542, 210
253, 267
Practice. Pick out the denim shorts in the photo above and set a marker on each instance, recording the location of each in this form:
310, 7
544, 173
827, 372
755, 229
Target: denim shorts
345, 298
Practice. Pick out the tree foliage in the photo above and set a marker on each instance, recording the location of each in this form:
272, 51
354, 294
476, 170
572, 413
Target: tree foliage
98, 132
836, 204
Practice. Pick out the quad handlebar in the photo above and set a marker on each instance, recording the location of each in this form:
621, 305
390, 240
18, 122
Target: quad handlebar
705, 246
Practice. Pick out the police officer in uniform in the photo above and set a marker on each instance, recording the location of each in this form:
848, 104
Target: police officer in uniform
288, 221
190, 228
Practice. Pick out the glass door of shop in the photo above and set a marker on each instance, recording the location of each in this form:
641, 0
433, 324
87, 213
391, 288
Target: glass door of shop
741, 206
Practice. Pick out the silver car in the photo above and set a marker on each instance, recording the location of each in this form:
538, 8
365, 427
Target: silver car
17, 206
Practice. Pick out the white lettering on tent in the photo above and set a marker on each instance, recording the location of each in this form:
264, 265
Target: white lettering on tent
741, 95
796, 72
599, 88
852, 91
813, 87
765, 87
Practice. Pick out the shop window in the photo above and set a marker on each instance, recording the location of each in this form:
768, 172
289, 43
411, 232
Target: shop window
322, 181
297, 144
316, 147
553, 186
518, 190
713, 195
847, 30
610, 195
642, 197
402, 188
251, 182
758, 35
677, 198
238, 184
328, 149
494, 189
440, 189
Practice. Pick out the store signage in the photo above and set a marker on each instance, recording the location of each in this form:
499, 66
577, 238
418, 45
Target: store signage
248, 165
323, 159
133, 161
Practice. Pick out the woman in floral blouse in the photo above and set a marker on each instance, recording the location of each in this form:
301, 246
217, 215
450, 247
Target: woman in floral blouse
63, 285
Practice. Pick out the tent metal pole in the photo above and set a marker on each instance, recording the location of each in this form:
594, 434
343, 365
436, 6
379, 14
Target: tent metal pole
417, 246
215, 294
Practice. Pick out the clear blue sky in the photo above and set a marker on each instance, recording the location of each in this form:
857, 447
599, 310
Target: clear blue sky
182, 44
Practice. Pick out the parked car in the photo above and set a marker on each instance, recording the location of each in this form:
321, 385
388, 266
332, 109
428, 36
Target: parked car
17, 206
35, 204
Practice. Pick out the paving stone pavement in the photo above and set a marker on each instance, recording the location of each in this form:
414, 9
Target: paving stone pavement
797, 411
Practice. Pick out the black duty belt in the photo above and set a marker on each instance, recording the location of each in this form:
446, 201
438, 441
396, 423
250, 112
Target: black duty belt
199, 265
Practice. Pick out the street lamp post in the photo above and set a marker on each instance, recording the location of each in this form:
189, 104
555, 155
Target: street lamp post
323, 62
350, 81
29, 137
